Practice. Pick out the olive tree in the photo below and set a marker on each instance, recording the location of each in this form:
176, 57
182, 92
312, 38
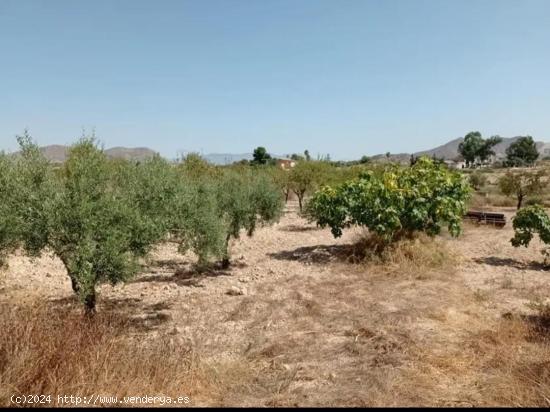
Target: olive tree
84, 215
9, 223
212, 208
246, 200
196, 221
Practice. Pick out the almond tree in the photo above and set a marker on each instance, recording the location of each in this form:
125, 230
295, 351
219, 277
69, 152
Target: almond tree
522, 184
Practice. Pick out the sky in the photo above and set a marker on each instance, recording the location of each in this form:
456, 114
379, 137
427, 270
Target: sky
339, 77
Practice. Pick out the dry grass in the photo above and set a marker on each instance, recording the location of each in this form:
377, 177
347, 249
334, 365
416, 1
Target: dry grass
53, 351
515, 358
398, 328
416, 255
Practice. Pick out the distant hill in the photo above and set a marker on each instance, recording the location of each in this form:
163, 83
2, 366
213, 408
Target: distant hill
58, 153
450, 149
55, 153
129, 153
447, 151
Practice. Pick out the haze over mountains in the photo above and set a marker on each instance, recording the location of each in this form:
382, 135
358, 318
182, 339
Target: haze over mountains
447, 151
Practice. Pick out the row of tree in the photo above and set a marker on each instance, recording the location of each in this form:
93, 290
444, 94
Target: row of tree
99, 216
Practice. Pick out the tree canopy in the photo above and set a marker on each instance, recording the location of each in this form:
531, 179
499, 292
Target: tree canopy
476, 149
260, 156
523, 152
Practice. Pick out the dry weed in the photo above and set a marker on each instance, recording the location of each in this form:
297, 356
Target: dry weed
55, 351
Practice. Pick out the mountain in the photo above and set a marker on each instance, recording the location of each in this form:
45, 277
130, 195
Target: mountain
449, 150
55, 153
58, 153
130, 153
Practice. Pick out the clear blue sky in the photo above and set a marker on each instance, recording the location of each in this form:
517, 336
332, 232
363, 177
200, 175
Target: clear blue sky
341, 77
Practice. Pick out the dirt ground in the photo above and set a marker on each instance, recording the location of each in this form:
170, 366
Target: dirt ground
300, 325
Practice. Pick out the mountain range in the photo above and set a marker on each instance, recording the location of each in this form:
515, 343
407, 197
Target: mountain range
447, 151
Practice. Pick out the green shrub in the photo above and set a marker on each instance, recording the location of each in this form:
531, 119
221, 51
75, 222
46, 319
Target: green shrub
529, 221
395, 202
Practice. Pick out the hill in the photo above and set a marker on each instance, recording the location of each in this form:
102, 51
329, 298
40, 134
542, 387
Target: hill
449, 150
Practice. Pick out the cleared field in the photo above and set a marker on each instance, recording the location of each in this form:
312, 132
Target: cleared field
295, 321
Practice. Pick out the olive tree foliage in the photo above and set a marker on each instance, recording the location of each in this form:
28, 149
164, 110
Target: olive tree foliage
194, 166
85, 213
522, 184
474, 148
213, 208
529, 221
196, 220
394, 202
9, 214
246, 200
523, 152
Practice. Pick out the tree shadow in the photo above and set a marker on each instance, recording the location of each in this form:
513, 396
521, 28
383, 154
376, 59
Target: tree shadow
538, 325
186, 277
168, 263
322, 254
127, 312
299, 228
508, 262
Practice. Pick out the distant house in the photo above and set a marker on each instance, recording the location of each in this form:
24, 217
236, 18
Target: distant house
286, 164
455, 164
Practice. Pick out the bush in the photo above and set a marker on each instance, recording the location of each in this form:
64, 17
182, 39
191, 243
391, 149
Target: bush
527, 222
395, 202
